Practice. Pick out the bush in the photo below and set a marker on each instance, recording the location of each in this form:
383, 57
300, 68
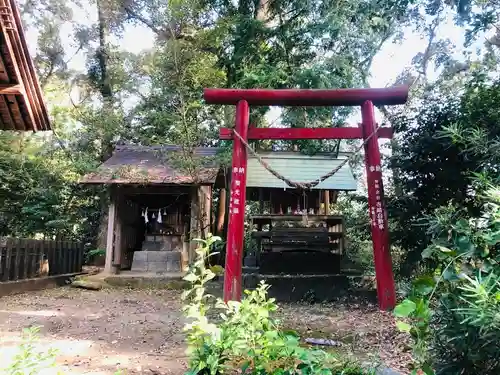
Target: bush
467, 334
243, 337
454, 311
29, 361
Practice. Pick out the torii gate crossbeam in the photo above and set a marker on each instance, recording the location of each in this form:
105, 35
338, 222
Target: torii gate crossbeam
366, 98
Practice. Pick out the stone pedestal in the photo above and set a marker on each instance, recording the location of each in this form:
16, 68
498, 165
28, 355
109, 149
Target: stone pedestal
157, 261
160, 253
162, 243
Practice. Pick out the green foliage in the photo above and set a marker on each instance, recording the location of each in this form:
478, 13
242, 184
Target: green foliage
466, 340
415, 309
467, 310
243, 336
453, 310
444, 145
29, 361
91, 254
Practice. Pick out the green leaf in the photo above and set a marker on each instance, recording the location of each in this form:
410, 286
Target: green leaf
403, 327
190, 277
450, 275
427, 369
465, 245
424, 285
428, 252
405, 308
493, 239
444, 249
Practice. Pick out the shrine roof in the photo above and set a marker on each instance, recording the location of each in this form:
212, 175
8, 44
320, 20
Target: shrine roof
300, 168
155, 165
21, 101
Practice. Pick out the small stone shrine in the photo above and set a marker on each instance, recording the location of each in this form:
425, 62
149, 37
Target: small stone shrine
162, 248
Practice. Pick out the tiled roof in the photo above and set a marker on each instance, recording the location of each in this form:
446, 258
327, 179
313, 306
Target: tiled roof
300, 168
155, 165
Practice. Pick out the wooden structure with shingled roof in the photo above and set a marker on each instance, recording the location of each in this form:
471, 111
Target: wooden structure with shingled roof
21, 101
157, 208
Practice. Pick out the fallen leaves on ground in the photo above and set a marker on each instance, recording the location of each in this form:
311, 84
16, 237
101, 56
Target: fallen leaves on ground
140, 331
364, 331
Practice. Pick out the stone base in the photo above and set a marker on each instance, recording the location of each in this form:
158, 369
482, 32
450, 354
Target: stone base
157, 261
162, 243
313, 288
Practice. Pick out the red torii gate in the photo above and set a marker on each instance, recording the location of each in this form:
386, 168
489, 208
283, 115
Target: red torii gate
366, 98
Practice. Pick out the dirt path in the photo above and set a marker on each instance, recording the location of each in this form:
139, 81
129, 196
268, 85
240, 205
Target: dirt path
363, 331
136, 331
140, 331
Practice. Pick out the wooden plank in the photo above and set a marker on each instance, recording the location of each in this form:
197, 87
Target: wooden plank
303, 249
292, 217
10, 89
60, 257
34, 83
3, 255
32, 268
7, 119
33, 259
108, 267
81, 250
10, 49
57, 257
40, 246
16, 253
18, 56
26, 251
63, 256
44, 260
71, 256
4, 76
51, 257
327, 201
308, 97
117, 249
305, 133
76, 263
16, 113
300, 229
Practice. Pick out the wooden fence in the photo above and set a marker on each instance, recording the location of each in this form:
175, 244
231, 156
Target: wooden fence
24, 259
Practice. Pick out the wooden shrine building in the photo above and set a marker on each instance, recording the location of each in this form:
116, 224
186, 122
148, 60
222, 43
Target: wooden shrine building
156, 207
21, 102
295, 231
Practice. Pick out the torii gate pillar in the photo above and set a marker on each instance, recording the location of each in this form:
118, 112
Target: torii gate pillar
366, 98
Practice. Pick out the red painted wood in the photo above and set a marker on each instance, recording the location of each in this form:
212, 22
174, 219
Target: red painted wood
304, 97
305, 133
378, 214
234, 249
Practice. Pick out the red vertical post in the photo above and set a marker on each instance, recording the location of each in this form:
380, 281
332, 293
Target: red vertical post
378, 214
234, 248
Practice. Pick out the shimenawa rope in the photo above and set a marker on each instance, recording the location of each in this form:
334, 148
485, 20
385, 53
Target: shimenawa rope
302, 185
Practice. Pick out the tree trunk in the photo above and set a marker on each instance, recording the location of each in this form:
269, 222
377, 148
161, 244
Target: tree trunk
221, 212
102, 54
105, 89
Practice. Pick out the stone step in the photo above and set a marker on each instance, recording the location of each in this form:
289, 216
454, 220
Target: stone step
157, 261
159, 246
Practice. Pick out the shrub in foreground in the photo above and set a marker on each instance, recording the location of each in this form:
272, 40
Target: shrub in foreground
243, 337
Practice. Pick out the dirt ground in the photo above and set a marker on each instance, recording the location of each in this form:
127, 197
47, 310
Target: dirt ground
100, 332
140, 331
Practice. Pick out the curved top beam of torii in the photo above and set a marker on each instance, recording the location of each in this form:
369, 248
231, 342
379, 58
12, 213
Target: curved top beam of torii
308, 97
